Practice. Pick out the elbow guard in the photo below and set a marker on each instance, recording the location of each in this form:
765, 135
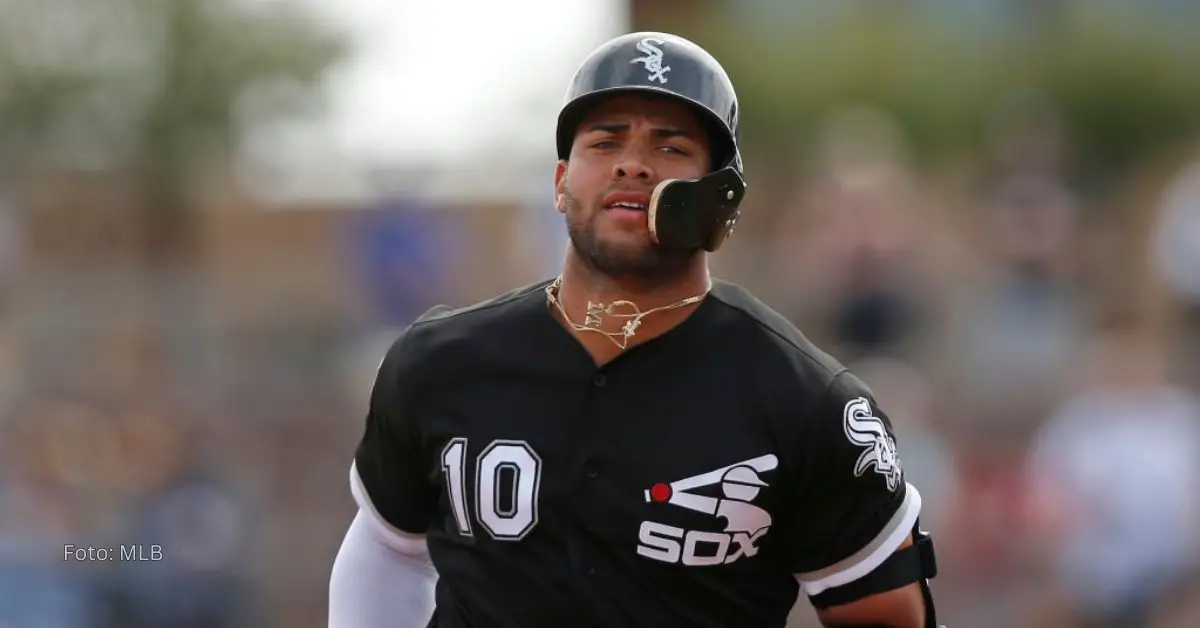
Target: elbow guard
915, 563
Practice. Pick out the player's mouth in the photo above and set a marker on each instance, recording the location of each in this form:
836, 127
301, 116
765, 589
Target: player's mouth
632, 205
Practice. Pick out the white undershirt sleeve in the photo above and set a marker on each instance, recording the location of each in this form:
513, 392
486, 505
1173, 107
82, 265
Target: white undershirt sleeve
380, 581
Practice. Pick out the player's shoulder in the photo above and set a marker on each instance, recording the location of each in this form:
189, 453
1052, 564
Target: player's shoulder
496, 310
443, 328
801, 386
768, 343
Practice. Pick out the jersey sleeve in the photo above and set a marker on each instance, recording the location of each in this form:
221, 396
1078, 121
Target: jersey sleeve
851, 505
387, 477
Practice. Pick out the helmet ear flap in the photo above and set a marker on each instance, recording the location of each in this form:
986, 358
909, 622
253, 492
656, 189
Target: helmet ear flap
696, 213
722, 233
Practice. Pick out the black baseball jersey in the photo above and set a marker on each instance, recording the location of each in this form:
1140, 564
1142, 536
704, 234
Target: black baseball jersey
699, 479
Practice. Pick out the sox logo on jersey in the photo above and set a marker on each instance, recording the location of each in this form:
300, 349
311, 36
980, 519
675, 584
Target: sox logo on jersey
745, 523
866, 430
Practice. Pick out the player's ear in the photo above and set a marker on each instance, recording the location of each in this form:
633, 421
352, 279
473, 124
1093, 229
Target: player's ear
560, 186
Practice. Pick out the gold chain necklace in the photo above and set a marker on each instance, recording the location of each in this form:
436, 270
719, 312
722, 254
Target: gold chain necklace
596, 312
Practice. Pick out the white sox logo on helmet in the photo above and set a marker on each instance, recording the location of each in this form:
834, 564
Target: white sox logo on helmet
745, 523
866, 430
653, 59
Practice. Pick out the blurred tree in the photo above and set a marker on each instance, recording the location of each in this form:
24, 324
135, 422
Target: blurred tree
1123, 81
145, 88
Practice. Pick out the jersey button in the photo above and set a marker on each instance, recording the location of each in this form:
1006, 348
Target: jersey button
591, 469
600, 380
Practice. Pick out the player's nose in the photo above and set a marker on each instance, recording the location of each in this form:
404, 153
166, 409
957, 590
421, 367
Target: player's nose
633, 164
632, 169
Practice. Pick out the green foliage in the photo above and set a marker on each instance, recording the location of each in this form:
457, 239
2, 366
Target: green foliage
1124, 88
126, 83
1125, 92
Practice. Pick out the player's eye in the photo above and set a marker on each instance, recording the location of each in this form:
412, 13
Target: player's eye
674, 150
603, 144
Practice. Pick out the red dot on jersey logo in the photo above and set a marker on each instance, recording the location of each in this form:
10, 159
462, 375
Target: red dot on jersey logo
660, 492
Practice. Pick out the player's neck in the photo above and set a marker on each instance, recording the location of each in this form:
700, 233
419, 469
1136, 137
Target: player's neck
582, 285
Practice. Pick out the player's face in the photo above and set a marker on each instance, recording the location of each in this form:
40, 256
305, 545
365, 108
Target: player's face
623, 148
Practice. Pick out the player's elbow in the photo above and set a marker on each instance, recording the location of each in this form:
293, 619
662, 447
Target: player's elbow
902, 606
899, 608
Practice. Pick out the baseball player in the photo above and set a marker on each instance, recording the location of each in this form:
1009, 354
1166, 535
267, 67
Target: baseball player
631, 443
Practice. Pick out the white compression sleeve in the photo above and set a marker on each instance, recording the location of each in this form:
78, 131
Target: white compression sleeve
378, 583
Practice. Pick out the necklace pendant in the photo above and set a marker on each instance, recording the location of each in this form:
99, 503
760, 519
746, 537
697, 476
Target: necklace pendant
631, 328
592, 317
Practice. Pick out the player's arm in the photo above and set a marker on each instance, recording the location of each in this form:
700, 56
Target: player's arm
382, 575
903, 607
858, 554
377, 582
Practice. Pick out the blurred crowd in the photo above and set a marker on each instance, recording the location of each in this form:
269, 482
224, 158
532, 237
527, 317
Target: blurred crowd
1035, 340
1038, 357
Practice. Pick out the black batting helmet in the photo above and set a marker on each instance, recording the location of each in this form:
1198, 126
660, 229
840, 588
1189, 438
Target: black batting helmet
698, 213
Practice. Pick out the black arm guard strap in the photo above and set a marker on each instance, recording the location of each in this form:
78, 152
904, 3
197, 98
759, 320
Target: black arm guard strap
915, 563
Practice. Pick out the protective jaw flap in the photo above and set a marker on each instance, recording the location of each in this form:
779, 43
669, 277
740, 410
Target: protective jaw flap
696, 213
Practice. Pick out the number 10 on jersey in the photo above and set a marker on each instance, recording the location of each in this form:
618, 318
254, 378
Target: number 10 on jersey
504, 519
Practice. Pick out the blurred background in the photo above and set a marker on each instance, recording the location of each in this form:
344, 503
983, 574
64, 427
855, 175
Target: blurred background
216, 214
